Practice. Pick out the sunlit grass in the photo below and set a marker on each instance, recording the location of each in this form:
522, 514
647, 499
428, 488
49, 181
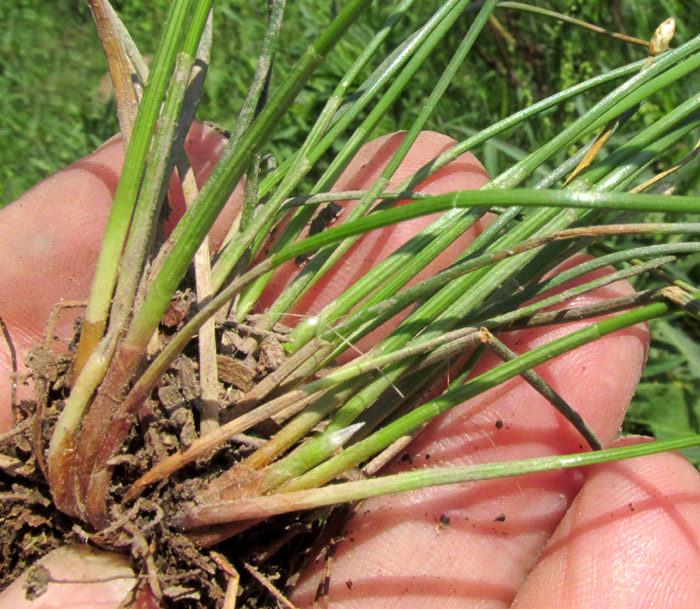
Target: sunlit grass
54, 108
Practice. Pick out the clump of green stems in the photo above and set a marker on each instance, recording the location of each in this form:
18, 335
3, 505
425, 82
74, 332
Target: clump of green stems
374, 401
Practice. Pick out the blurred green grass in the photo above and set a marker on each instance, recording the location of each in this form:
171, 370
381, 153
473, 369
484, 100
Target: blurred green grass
52, 72
53, 108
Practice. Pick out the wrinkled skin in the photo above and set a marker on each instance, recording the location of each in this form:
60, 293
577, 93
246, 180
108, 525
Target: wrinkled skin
620, 535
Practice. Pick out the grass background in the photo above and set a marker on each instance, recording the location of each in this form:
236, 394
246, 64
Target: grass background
55, 107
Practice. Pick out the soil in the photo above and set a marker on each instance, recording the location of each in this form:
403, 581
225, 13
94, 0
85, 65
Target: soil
268, 557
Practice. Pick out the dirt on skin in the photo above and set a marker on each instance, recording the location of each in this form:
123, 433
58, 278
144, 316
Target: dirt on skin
267, 557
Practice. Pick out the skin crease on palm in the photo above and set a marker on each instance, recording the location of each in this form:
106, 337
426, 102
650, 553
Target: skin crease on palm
621, 535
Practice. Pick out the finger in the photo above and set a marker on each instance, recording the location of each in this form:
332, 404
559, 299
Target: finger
630, 539
473, 545
464, 173
74, 571
53, 235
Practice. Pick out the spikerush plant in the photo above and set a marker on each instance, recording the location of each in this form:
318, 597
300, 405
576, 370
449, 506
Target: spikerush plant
347, 421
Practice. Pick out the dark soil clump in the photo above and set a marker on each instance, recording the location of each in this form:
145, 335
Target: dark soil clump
267, 557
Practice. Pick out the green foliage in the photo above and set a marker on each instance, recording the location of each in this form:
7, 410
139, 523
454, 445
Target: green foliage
55, 105
666, 404
48, 84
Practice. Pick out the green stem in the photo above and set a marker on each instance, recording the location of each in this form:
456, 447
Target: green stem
660, 74
199, 218
572, 20
322, 261
381, 312
545, 390
251, 107
127, 190
271, 505
357, 453
356, 139
516, 197
294, 169
520, 197
152, 195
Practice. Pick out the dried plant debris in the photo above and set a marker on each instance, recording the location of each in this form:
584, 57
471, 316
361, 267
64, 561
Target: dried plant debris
181, 574
30, 526
235, 372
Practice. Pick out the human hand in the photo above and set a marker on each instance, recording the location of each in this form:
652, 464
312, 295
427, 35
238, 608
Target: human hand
624, 535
